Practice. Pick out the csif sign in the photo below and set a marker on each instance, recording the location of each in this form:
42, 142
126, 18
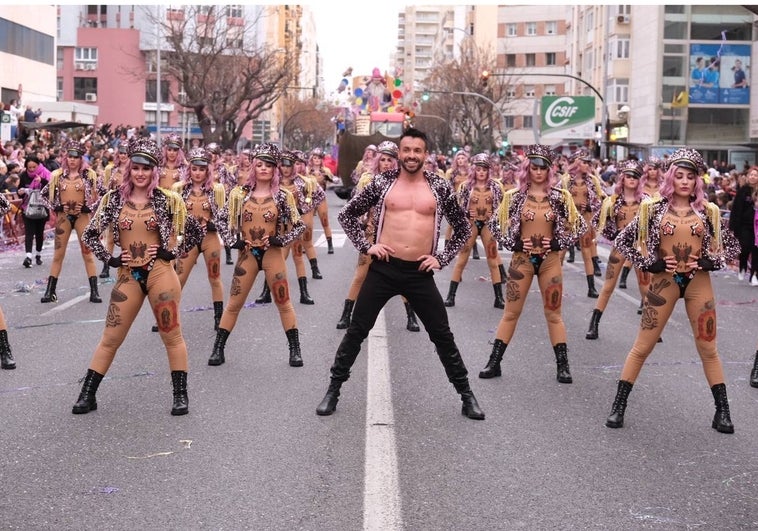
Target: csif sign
568, 117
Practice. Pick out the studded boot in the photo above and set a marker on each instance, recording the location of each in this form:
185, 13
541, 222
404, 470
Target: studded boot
591, 291
217, 356
181, 400
492, 369
592, 333
721, 420
293, 339
563, 375
6, 358
86, 401
305, 297
616, 418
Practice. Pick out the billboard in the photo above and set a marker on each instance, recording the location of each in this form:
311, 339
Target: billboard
567, 117
719, 74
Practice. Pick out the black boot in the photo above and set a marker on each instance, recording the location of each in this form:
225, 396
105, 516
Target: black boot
563, 375
450, 301
594, 323
412, 324
470, 407
329, 402
94, 296
86, 401
616, 418
591, 291
6, 358
217, 357
492, 368
315, 273
639, 308
754, 372
228, 251
347, 311
50, 295
181, 400
624, 274
596, 266
570, 258
721, 421
499, 303
265, 295
106, 272
475, 252
305, 298
503, 275
218, 312
329, 246
296, 359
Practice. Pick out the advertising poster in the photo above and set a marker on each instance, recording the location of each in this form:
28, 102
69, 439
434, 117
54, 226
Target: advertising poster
719, 74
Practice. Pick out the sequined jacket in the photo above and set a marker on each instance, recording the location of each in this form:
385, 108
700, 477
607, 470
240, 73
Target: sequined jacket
217, 196
51, 194
374, 195
505, 225
289, 226
5, 205
171, 215
595, 193
641, 239
605, 218
310, 195
464, 194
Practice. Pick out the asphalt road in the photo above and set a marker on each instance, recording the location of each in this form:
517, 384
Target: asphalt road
252, 454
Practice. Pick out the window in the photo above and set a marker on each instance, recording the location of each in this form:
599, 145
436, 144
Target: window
511, 30
531, 28
59, 89
550, 58
624, 9
85, 54
589, 25
551, 27
589, 60
620, 47
151, 91
16, 39
510, 60
84, 86
531, 59
206, 42
529, 91
59, 58
510, 122
234, 11
618, 90
527, 121
550, 90
510, 93
234, 42
151, 115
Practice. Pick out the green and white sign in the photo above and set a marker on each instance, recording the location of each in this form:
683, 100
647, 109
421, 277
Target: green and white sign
567, 117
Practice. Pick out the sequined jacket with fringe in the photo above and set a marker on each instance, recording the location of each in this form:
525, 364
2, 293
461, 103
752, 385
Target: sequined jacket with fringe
505, 225
640, 240
605, 218
218, 196
289, 226
595, 194
310, 194
172, 220
464, 194
51, 193
372, 198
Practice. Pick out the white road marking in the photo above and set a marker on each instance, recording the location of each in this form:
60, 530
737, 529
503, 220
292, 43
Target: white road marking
65, 305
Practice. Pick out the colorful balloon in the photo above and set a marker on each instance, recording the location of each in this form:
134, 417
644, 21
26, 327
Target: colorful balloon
397, 94
358, 92
398, 82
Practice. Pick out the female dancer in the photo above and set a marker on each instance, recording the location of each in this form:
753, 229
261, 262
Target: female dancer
679, 238
259, 219
6, 357
174, 161
151, 228
111, 179
617, 212
535, 221
741, 222
34, 177
203, 199
71, 192
385, 160
479, 195
588, 195
456, 175
317, 198
322, 174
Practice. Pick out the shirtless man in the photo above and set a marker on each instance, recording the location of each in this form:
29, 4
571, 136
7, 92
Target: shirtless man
410, 204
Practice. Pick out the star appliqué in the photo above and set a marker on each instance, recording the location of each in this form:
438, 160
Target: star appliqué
668, 228
125, 224
152, 223
529, 215
696, 229
549, 215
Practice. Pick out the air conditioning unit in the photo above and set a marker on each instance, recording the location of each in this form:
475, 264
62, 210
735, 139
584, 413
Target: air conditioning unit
80, 65
91, 66
90, 96
623, 19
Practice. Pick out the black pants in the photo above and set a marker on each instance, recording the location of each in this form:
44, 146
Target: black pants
748, 252
34, 228
383, 281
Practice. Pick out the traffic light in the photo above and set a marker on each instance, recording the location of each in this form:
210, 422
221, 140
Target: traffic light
485, 77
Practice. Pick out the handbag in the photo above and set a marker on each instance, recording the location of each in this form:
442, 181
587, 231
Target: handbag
35, 208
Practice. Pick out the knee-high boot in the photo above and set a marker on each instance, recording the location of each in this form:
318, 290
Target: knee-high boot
329, 246
492, 368
412, 324
315, 273
624, 274
721, 420
50, 296
217, 356
570, 258
305, 297
347, 311
293, 339
181, 400
616, 418
450, 300
475, 252
503, 275
6, 358
86, 401
94, 296
563, 375
470, 407
265, 295
592, 333
329, 402
228, 251
218, 312
754, 372
499, 302
596, 266
591, 291
106, 272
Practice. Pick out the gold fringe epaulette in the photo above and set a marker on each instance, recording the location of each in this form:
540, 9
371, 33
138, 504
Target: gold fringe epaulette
177, 209
364, 180
598, 187
714, 216
310, 185
234, 204
107, 173
219, 194
565, 179
606, 211
503, 215
294, 212
92, 176
644, 223
55, 178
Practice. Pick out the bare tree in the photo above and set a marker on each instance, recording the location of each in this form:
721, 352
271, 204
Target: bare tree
306, 124
225, 76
